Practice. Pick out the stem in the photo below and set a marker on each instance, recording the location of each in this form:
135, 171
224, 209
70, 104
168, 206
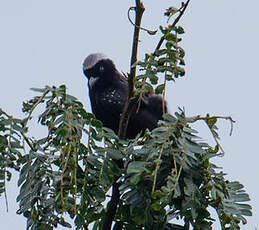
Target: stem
75, 179
34, 106
212, 130
173, 25
115, 199
112, 207
139, 13
163, 95
30, 144
152, 32
5, 193
158, 160
139, 9
221, 117
157, 167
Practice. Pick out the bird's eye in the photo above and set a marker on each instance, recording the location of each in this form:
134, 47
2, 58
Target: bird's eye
101, 69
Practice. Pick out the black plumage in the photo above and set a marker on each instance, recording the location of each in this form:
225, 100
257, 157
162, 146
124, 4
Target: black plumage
108, 90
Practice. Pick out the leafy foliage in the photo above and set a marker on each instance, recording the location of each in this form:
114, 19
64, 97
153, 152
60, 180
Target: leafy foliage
166, 61
167, 173
10, 147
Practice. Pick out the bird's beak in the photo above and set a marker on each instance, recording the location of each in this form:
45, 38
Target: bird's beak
92, 81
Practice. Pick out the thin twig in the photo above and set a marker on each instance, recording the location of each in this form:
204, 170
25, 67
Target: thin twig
9, 149
5, 194
157, 167
173, 25
139, 9
28, 142
213, 132
28, 117
159, 158
221, 117
35, 105
152, 32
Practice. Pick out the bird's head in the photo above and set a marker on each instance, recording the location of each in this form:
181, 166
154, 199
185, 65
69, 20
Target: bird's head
98, 67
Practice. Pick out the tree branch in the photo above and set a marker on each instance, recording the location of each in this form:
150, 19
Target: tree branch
139, 9
112, 207
173, 25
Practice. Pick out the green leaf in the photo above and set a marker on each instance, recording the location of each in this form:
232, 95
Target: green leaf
160, 89
38, 90
148, 220
180, 30
96, 123
98, 194
153, 78
79, 221
135, 178
170, 37
109, 133
136, 167
64, 223
161, 52
114, 153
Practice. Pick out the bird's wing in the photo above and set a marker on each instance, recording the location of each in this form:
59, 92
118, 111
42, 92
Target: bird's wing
145, 116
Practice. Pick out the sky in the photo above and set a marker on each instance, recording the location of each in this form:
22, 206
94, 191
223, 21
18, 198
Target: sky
44, 42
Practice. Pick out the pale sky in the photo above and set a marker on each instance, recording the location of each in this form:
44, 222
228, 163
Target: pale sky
44, 42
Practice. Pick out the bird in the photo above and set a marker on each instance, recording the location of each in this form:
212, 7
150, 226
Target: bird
108, 92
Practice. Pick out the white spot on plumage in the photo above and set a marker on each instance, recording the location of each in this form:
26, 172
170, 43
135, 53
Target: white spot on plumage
111, 96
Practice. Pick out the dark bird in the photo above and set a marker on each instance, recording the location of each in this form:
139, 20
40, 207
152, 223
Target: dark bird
108, 91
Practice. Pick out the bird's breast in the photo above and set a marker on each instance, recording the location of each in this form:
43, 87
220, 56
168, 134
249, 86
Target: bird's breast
112, 96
